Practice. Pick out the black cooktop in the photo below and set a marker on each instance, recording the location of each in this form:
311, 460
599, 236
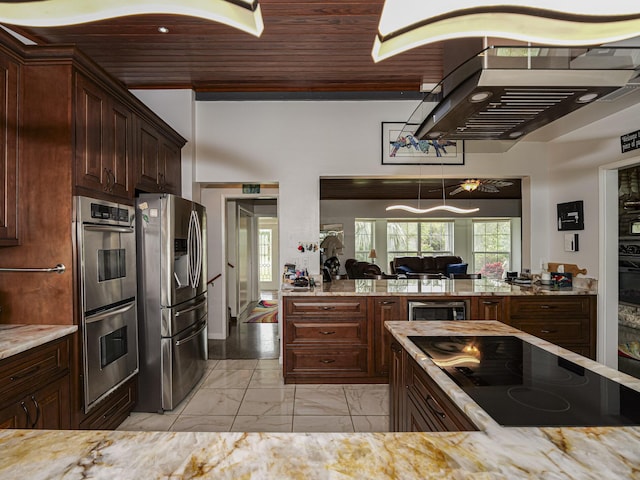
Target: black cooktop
520, 384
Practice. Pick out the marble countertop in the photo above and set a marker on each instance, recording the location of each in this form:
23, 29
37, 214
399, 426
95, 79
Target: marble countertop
19, 338
448, 287
494, 452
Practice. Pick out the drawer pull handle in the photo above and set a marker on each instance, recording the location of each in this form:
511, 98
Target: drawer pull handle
327, 333
26, 373
329, 360
387, 302
487, 302
327, 308
35, 403
26, 412
547, 307
545, 330
437, 409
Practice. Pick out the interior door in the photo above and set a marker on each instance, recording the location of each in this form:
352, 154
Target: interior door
244, 252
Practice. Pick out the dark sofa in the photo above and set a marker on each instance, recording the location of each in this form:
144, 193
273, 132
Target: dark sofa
443, 264
357, 269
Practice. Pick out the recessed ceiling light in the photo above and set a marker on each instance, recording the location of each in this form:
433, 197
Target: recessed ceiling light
163, 29
587, 97
515, 134
434, 134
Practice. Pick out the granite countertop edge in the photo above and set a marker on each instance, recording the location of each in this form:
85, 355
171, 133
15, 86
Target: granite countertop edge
16, 339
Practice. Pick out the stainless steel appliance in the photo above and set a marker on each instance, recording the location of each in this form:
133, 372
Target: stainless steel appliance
629, 271
437, 310
171, 233
107, 256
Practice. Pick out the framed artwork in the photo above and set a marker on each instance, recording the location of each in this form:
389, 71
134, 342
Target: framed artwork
407, 150
571, 216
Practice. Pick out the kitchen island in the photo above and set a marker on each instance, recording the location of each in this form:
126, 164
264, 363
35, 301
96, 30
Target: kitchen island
492, 452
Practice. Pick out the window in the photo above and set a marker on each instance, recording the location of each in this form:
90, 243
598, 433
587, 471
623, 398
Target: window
364, 239
265, 258
491, 247
419, 238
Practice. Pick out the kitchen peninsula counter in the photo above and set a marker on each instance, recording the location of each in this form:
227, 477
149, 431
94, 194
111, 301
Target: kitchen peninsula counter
494, 452
436, 287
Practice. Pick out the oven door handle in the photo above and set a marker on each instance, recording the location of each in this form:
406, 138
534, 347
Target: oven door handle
190, 309
110, 313
190, 337
108, 228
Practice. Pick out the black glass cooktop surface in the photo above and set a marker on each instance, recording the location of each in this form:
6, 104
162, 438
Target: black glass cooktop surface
520, 384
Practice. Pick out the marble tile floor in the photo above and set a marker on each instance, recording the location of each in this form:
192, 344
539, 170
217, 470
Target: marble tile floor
250, 396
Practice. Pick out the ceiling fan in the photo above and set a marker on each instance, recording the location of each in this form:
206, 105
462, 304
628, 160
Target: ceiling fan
484, 185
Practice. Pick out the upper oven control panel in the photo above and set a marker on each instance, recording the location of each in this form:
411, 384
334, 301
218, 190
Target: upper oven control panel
105, 212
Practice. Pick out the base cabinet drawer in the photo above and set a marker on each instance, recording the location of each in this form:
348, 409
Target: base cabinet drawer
555, 331
354, 332
350, 307
114, 409
331, 361
558, 307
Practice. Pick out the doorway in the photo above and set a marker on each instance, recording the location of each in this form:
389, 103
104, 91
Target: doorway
252, 281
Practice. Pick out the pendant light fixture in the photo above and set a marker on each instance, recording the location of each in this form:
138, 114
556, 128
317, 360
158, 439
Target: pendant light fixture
549, 22
443, 207
244, 15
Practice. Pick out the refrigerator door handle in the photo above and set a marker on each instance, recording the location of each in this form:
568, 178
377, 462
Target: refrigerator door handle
190, 309
190, 250
198, 263
190, 337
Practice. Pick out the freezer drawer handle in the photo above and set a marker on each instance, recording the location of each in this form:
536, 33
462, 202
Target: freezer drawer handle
190, 309
109, 313
190, 337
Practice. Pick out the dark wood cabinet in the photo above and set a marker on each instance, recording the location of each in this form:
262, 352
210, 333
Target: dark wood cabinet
104, 141
418, 404
566, 320
158, 168
488, 308
9, 159
326, 340
385, 309
34, 388
113, 410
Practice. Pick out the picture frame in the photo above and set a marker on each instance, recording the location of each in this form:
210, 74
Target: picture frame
407, 150
571, 216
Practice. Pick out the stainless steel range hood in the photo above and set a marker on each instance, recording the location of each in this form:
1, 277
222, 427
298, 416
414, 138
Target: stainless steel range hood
504, 93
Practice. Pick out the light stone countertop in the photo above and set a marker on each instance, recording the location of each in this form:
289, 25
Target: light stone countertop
493, 453
19, 338
436, 287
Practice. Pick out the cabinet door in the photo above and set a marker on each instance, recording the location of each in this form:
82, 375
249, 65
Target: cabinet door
90, 151
170, 178
488, 308
120, 150
10, 71
53, 411
148, 157
385, 309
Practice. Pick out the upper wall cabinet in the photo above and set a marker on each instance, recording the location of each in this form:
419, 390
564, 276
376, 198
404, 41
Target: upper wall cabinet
9, 102
104, 141
158, 166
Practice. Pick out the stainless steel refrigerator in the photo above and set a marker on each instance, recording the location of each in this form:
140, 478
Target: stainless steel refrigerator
172, 293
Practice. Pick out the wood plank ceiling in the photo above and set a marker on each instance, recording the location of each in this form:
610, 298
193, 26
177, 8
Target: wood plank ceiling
306, 46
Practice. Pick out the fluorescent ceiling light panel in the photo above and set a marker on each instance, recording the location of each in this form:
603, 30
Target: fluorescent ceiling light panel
405, 24
244, 15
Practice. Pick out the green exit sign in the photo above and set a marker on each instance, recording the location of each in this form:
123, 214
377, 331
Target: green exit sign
251, 188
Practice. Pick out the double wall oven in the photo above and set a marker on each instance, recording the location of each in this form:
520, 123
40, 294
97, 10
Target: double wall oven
107, 257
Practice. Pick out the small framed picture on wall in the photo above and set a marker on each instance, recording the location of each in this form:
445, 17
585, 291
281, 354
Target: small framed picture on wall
571, 216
